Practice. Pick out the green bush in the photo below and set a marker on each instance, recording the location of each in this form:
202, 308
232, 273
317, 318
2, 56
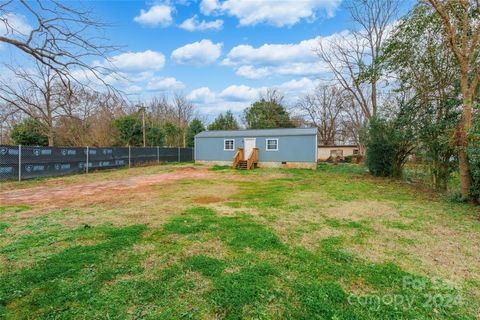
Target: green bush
380, 148
30, 132
195, 127
130, 132
348, 159
389, 143
474, 157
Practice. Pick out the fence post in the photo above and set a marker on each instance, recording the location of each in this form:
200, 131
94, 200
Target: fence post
178, 154
19, 162
88, 159
129, 156
158, 154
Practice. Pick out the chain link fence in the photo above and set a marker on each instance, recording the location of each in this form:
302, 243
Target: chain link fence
20, 162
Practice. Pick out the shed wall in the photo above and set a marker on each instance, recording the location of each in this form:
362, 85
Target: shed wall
324, 152
290, 149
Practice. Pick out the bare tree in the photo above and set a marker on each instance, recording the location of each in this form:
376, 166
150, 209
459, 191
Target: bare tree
63, 38
352, 123
88, 118
7, 116
272, 96
160, 110
35, 94
353, 57
179, 112
183, 109
324, 109
102, 131
461, 23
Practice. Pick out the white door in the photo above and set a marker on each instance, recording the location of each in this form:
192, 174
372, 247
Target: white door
248, 145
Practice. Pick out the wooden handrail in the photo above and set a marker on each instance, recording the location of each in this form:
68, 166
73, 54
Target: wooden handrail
238, 156
252, 158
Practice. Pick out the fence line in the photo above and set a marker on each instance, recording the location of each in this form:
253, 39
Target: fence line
25, 162
19, 162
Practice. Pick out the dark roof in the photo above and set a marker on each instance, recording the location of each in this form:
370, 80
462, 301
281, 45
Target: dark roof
258, 132
338, 146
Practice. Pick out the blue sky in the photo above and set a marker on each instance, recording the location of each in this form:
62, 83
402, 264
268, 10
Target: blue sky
220, 53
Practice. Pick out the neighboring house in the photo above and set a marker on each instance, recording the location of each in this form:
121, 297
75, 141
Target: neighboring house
290, 148
336, 151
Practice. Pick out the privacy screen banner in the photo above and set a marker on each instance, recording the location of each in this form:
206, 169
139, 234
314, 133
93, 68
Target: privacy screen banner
56, 161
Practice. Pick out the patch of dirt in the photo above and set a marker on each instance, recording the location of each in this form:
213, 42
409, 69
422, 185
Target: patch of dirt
122, 187
207, 200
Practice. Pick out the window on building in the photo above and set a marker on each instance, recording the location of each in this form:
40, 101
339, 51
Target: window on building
272, 144
228, 144
355, 151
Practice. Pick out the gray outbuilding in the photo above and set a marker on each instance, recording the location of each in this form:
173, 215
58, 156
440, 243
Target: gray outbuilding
290, 148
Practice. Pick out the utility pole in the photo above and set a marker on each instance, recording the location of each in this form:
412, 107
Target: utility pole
143, 127
141, 107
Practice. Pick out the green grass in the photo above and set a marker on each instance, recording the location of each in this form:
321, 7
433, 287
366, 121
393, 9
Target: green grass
238, 232
312, 291
8, 209
69, 276
294, 244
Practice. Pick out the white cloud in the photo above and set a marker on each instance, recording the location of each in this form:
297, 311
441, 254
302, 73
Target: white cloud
193, 24
209, 6
302, 68
251, 72
141, 76
157, 15
87, 77
303, 51
239, 93
142, 83
202, 95
146, 60
164, 84
213, 109
133, 89
299, 59
238, 97
286, 69
296, 87
276, 13
198, 53
273, 53
14, 24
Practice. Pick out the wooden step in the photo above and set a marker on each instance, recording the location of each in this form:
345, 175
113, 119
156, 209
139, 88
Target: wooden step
242, 164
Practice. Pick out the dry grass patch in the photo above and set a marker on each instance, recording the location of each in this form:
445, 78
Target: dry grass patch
312, 240
362, 209
213, 247
207, 200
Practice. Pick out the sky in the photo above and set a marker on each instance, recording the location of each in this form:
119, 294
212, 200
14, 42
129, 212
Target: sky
220, 53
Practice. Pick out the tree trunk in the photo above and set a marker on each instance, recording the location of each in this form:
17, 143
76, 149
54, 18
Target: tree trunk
462, 142
50, 138
50, 133
374, 98
465, 175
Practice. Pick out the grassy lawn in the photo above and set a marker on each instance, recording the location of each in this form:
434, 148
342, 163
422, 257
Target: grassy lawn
333, 243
